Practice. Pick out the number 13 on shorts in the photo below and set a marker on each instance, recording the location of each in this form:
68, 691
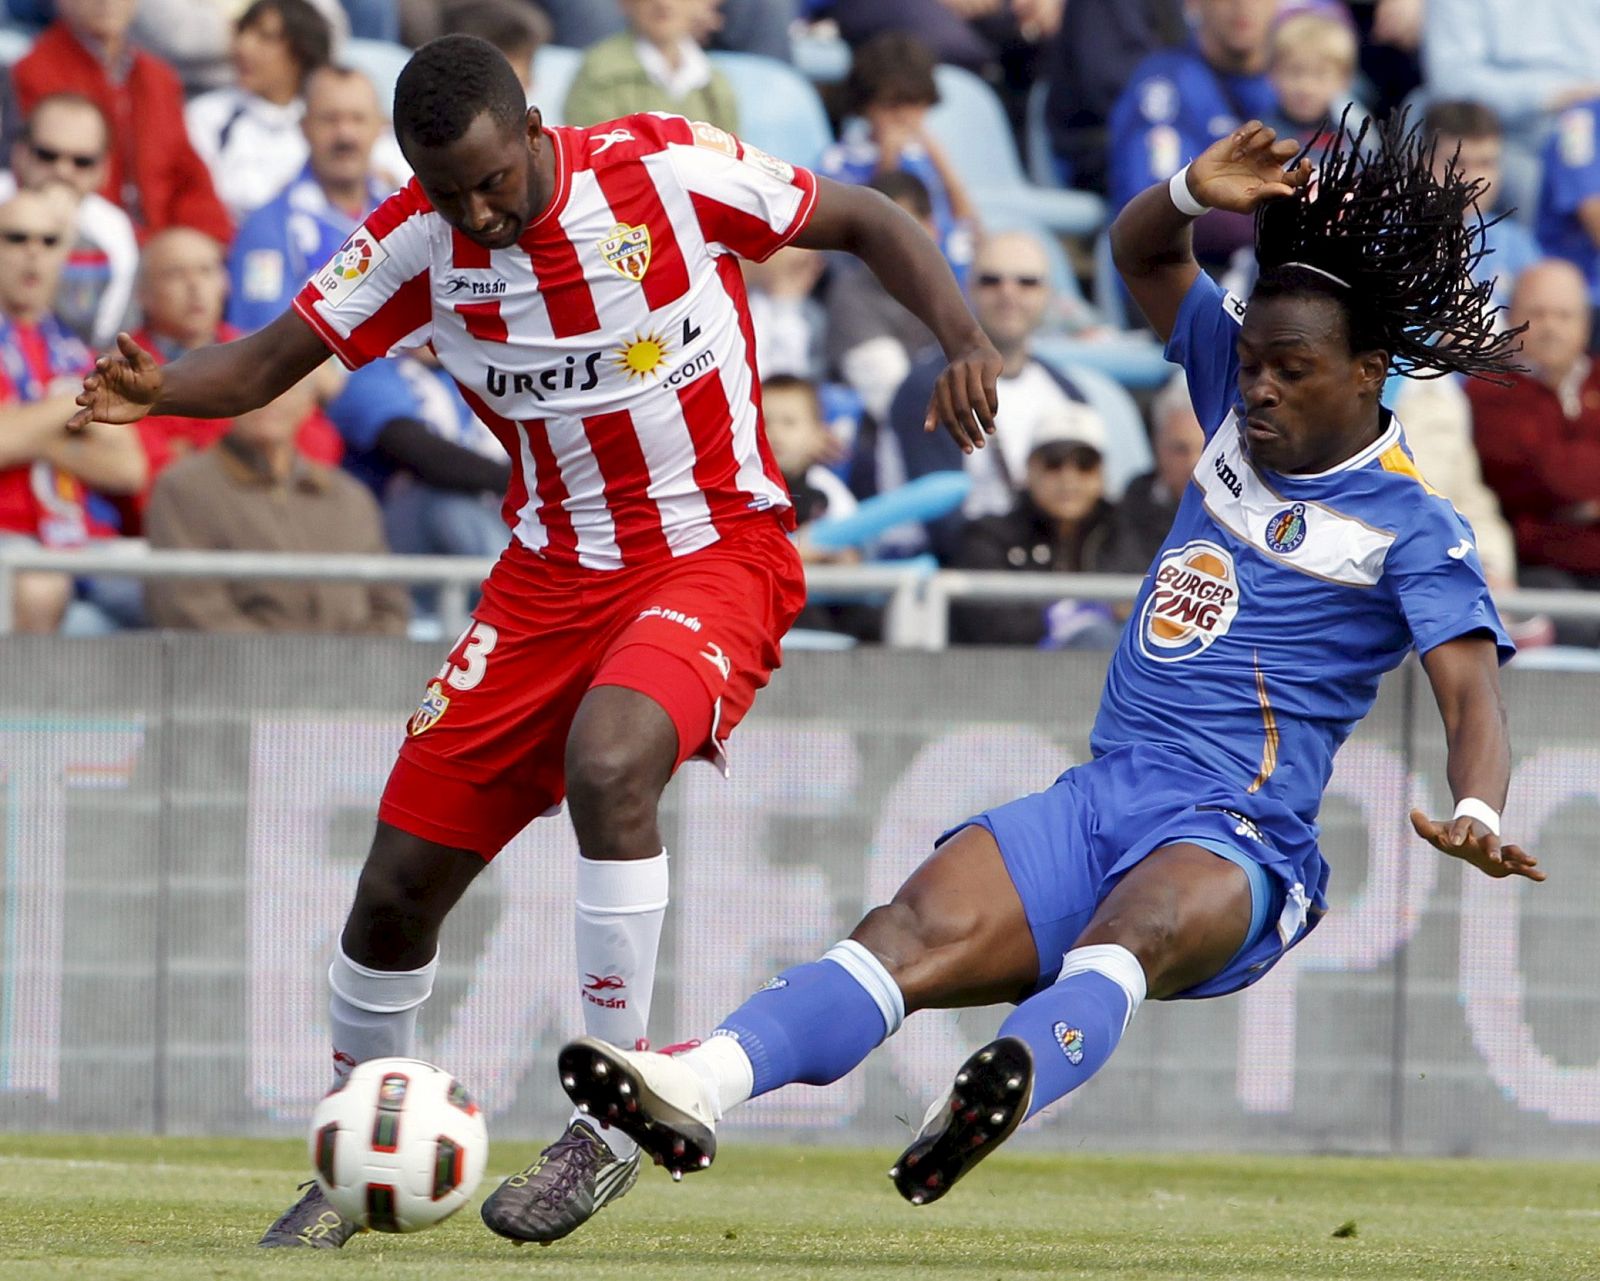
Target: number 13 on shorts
462, 670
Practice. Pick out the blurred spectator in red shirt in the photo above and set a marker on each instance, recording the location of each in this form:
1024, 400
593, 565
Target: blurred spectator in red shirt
182, 288
153, 172
1539, 436
44, 471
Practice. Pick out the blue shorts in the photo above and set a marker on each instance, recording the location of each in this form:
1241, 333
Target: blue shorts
1068, 846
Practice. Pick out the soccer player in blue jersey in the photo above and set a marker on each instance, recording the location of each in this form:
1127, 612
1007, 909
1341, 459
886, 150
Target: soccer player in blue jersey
1308, 557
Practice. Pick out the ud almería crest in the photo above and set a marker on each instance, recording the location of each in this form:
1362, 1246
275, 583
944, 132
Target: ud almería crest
627, 250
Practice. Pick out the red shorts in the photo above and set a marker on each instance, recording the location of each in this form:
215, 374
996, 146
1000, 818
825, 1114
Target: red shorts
484, 752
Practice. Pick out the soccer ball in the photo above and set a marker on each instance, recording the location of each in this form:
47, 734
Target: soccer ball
399, 1146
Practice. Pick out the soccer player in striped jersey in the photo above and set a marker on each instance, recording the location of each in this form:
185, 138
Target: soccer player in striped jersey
582, 286
1307, 558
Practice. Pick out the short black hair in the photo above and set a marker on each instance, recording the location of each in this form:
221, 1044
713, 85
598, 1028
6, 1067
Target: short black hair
305, 30
1394, 248
904, 189
1462, 118
448, 84
891, 69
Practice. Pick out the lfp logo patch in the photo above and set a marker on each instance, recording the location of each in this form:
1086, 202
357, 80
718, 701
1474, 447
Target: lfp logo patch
351, 267
1193, 602
1070, 1039
1287, 530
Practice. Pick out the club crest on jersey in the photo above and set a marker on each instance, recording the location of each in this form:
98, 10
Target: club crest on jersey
430, 711
1287, 530
1192, 602
351, 267
1070, 1039
627, 250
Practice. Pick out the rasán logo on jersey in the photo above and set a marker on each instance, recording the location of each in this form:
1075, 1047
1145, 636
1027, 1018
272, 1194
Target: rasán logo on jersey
1192, 603
627, 250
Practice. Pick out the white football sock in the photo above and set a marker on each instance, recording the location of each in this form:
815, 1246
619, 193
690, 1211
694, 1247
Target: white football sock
373, 1013
621, 904
724, 1070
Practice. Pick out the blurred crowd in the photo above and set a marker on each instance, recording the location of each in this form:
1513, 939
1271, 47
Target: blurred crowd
177, 168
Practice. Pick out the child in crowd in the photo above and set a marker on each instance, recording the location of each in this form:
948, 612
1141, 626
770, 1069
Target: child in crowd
1312, 70
890, 90
803, 448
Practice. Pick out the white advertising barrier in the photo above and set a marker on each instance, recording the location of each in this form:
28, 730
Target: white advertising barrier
177, 865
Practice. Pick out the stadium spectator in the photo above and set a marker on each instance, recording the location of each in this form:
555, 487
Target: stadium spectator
748, 26
889, 93
1569, 196
64, 143
254, 491
869, 339
518, 28
1469, 134
1539, 437
985, 36
1312, 68
1150, 503
45, 472
296, 232
1010, 295
437, 471
182, 285
195, 37
1087, 64
655, 65
787, 320
803, 447
1059, 523
1179, 101
152, 172
249, 133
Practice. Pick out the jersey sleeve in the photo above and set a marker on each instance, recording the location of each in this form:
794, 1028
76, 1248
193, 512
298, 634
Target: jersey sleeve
370, 400
745, 201
1204, 342
373, 296
1437, 580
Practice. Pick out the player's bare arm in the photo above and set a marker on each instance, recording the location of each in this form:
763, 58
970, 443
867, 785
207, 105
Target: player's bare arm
220, 381
1151, 239
900, 254
1465, 676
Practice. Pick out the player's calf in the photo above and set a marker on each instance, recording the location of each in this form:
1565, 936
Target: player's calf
988, 1100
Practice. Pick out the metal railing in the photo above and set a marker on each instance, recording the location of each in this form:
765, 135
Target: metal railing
916, 598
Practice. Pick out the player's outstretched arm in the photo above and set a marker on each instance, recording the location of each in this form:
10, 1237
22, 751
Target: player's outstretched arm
1151, 240
221, 381
1465, 676
901, 255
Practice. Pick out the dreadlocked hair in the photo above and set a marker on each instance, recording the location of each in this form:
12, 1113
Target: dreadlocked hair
1395, 248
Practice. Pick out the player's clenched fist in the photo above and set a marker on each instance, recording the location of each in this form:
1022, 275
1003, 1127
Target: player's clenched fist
966, 396
1240, 171
122, 388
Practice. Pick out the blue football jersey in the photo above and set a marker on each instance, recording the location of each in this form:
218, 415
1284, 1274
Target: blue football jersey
1278, 601
1571, 174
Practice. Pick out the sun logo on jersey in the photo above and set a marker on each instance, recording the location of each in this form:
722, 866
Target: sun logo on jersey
1287, 530
627, 250
643, 356
1192, 602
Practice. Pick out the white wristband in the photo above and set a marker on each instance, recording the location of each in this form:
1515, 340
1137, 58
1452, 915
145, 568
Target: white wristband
1472, 807
1182, 197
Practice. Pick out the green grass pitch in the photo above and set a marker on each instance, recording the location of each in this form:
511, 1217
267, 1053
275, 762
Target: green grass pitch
144, 1209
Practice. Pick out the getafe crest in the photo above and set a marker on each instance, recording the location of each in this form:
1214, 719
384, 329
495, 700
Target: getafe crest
627, 250
1070, 1039
430, 711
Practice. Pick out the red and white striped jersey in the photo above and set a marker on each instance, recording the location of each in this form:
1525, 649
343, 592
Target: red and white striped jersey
610, 349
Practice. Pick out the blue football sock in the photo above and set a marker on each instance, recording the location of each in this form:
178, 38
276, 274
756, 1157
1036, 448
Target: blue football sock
1073, 1026
815, 1022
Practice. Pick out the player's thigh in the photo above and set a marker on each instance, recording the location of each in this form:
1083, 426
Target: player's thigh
1182, 910
407, 887
955, 933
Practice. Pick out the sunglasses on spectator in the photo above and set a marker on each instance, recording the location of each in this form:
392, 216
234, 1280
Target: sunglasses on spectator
1059, 454
49, 239
993, 279
50, 156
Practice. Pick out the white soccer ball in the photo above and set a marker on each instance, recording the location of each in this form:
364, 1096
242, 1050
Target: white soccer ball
399, 1146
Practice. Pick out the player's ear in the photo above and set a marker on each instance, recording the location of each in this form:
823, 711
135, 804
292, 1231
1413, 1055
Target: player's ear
1372, 370
535, 127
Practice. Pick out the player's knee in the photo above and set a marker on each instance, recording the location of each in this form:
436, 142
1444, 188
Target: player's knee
900, 934
1150, 934
609, 783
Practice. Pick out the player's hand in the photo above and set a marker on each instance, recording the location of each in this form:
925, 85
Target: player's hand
966, 396
1247, 167
122, 387
1470, 841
